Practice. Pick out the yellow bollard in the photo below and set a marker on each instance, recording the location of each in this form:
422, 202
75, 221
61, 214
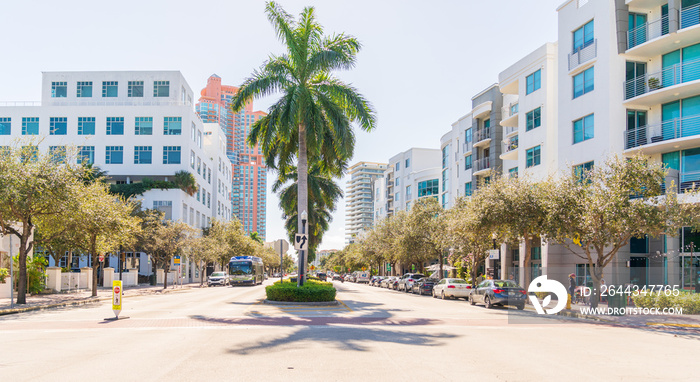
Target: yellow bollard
568, 301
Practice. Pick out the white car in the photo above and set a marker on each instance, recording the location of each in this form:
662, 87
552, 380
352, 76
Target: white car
452, 288
218, 278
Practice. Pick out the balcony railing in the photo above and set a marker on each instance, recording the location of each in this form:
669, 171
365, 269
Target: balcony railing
664, 131
509, 110
510, 144
481, 134
672, 75
583, 54
690, 16
509, 130
647, 31
481, 164
466, 147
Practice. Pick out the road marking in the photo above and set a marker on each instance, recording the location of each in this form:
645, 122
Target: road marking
347, 307
673, 324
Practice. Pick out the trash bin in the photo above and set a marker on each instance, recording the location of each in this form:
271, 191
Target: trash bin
153, 279
618, 302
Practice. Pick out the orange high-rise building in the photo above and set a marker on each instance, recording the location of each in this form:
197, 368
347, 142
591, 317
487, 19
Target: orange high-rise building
249, 191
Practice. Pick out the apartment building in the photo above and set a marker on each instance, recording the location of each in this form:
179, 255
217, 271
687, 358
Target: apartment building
359, 197
134, 125
249, 184
456, 161
412, 175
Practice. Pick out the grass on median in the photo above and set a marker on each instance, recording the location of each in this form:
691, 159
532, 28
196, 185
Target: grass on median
312, 291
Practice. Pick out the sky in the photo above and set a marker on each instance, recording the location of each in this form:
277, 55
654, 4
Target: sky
420, 64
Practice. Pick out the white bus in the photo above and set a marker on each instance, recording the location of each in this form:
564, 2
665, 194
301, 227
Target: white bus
245, 270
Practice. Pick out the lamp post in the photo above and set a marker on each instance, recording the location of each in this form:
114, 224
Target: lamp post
302, 260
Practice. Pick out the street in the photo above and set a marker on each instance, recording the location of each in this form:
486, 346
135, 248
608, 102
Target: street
227, 333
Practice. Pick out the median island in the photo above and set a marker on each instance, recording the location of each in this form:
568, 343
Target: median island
312, 291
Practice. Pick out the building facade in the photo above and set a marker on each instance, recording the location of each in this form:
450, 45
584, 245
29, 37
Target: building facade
359, 197
249, 184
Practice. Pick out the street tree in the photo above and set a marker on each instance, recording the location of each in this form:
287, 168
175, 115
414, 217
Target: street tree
597, 214
312, 119
33, 185
425, 237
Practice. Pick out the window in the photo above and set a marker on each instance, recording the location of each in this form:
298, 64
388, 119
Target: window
58, 154
5, 126
513, 172
30, 153
58, 126
209, 175
583, 36
193, 132
533, 119
532, 81
428, 188
199, 165
143, 126
161, 88
143, 154
408, 163
30, 125
86, 125
109, 89
532, 157
59, 89
583, 82
468, 189
583, 129
396, 181
408, 192
84, 89
397, 197
115, 125
114, 155
445, 156
171, 154
135, 89
192, 159
398, 166
172, 126
86, 154
583, 170
165, 206
468, 135
468, 162
445, 180
199, 139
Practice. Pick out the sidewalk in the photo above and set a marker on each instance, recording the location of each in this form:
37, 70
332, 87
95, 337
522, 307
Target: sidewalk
640, 320
82, 297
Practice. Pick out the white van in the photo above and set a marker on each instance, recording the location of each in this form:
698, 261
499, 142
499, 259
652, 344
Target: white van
362, 277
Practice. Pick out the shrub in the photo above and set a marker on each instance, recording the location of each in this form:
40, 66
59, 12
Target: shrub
312, 291
3, 274
689, 301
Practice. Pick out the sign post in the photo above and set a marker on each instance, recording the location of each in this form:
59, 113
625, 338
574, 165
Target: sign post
282, 247
116, 298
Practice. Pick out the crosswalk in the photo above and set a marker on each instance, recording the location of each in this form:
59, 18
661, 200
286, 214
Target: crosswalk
265, 310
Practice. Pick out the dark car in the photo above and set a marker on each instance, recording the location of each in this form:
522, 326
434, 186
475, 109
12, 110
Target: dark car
338, 277
424, 286
499, 292
322, 276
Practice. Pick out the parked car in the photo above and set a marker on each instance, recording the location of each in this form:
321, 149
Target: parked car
348, 277
385, 282
395, 283
322, 276
338, 277
277, 275
406, 282
499, 292
265, 274
362, 277
424, 286
218, 278
452, 288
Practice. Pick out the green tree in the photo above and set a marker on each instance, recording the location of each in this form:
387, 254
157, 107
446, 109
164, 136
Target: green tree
32, 186
256, 237
312, 120
425, 237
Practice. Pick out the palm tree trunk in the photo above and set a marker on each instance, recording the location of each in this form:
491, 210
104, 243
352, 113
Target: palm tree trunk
302, 195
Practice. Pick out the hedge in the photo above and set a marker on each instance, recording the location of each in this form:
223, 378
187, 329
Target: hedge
312, 291
689, 301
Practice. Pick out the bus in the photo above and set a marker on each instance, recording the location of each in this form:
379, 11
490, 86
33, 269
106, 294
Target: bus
245, 270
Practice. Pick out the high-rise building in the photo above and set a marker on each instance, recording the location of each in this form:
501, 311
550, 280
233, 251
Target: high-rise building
249, 195
359, 197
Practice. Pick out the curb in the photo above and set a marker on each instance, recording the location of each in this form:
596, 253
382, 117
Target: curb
315, 303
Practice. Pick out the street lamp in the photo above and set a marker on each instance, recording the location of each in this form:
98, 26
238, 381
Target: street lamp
302, 260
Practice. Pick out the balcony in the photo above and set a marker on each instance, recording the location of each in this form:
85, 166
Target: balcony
510, 148
647, 32
466, 147
689, 17
665, 136
675, 82
510, 131
482, 137
510, 115
481, 166
583, 54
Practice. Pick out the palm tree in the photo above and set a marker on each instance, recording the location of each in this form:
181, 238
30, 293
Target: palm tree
312, 118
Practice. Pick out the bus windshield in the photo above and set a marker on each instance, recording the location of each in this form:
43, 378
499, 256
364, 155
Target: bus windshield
239, 268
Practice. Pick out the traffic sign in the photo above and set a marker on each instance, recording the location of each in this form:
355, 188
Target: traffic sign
281, 246
312, 267
494, 254
301, 242
177, 260
116, 297
102, 258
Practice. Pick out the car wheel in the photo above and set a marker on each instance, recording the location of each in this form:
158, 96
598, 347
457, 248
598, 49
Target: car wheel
433, 293
521, 306
471, 300
442, 295
487, 302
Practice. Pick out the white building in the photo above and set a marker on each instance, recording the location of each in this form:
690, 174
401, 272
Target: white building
456, 168
134, 125
411, 175
359, 197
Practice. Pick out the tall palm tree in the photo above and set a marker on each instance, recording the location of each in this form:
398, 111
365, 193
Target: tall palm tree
312, 119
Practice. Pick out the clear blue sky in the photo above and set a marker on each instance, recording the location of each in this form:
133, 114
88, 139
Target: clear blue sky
420, 64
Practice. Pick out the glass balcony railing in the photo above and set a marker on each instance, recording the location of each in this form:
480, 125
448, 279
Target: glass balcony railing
672, 75
690, 16
583, 54
664, 131
647, 31
481, 134
481, 164
510, 144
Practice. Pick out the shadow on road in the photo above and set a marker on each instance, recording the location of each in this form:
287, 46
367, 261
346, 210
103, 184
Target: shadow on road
345, 338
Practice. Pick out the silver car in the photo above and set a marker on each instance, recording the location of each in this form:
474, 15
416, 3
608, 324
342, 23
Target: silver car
452, 288
218, 278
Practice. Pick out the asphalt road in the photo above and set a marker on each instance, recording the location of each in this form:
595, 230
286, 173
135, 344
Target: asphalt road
227, 334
